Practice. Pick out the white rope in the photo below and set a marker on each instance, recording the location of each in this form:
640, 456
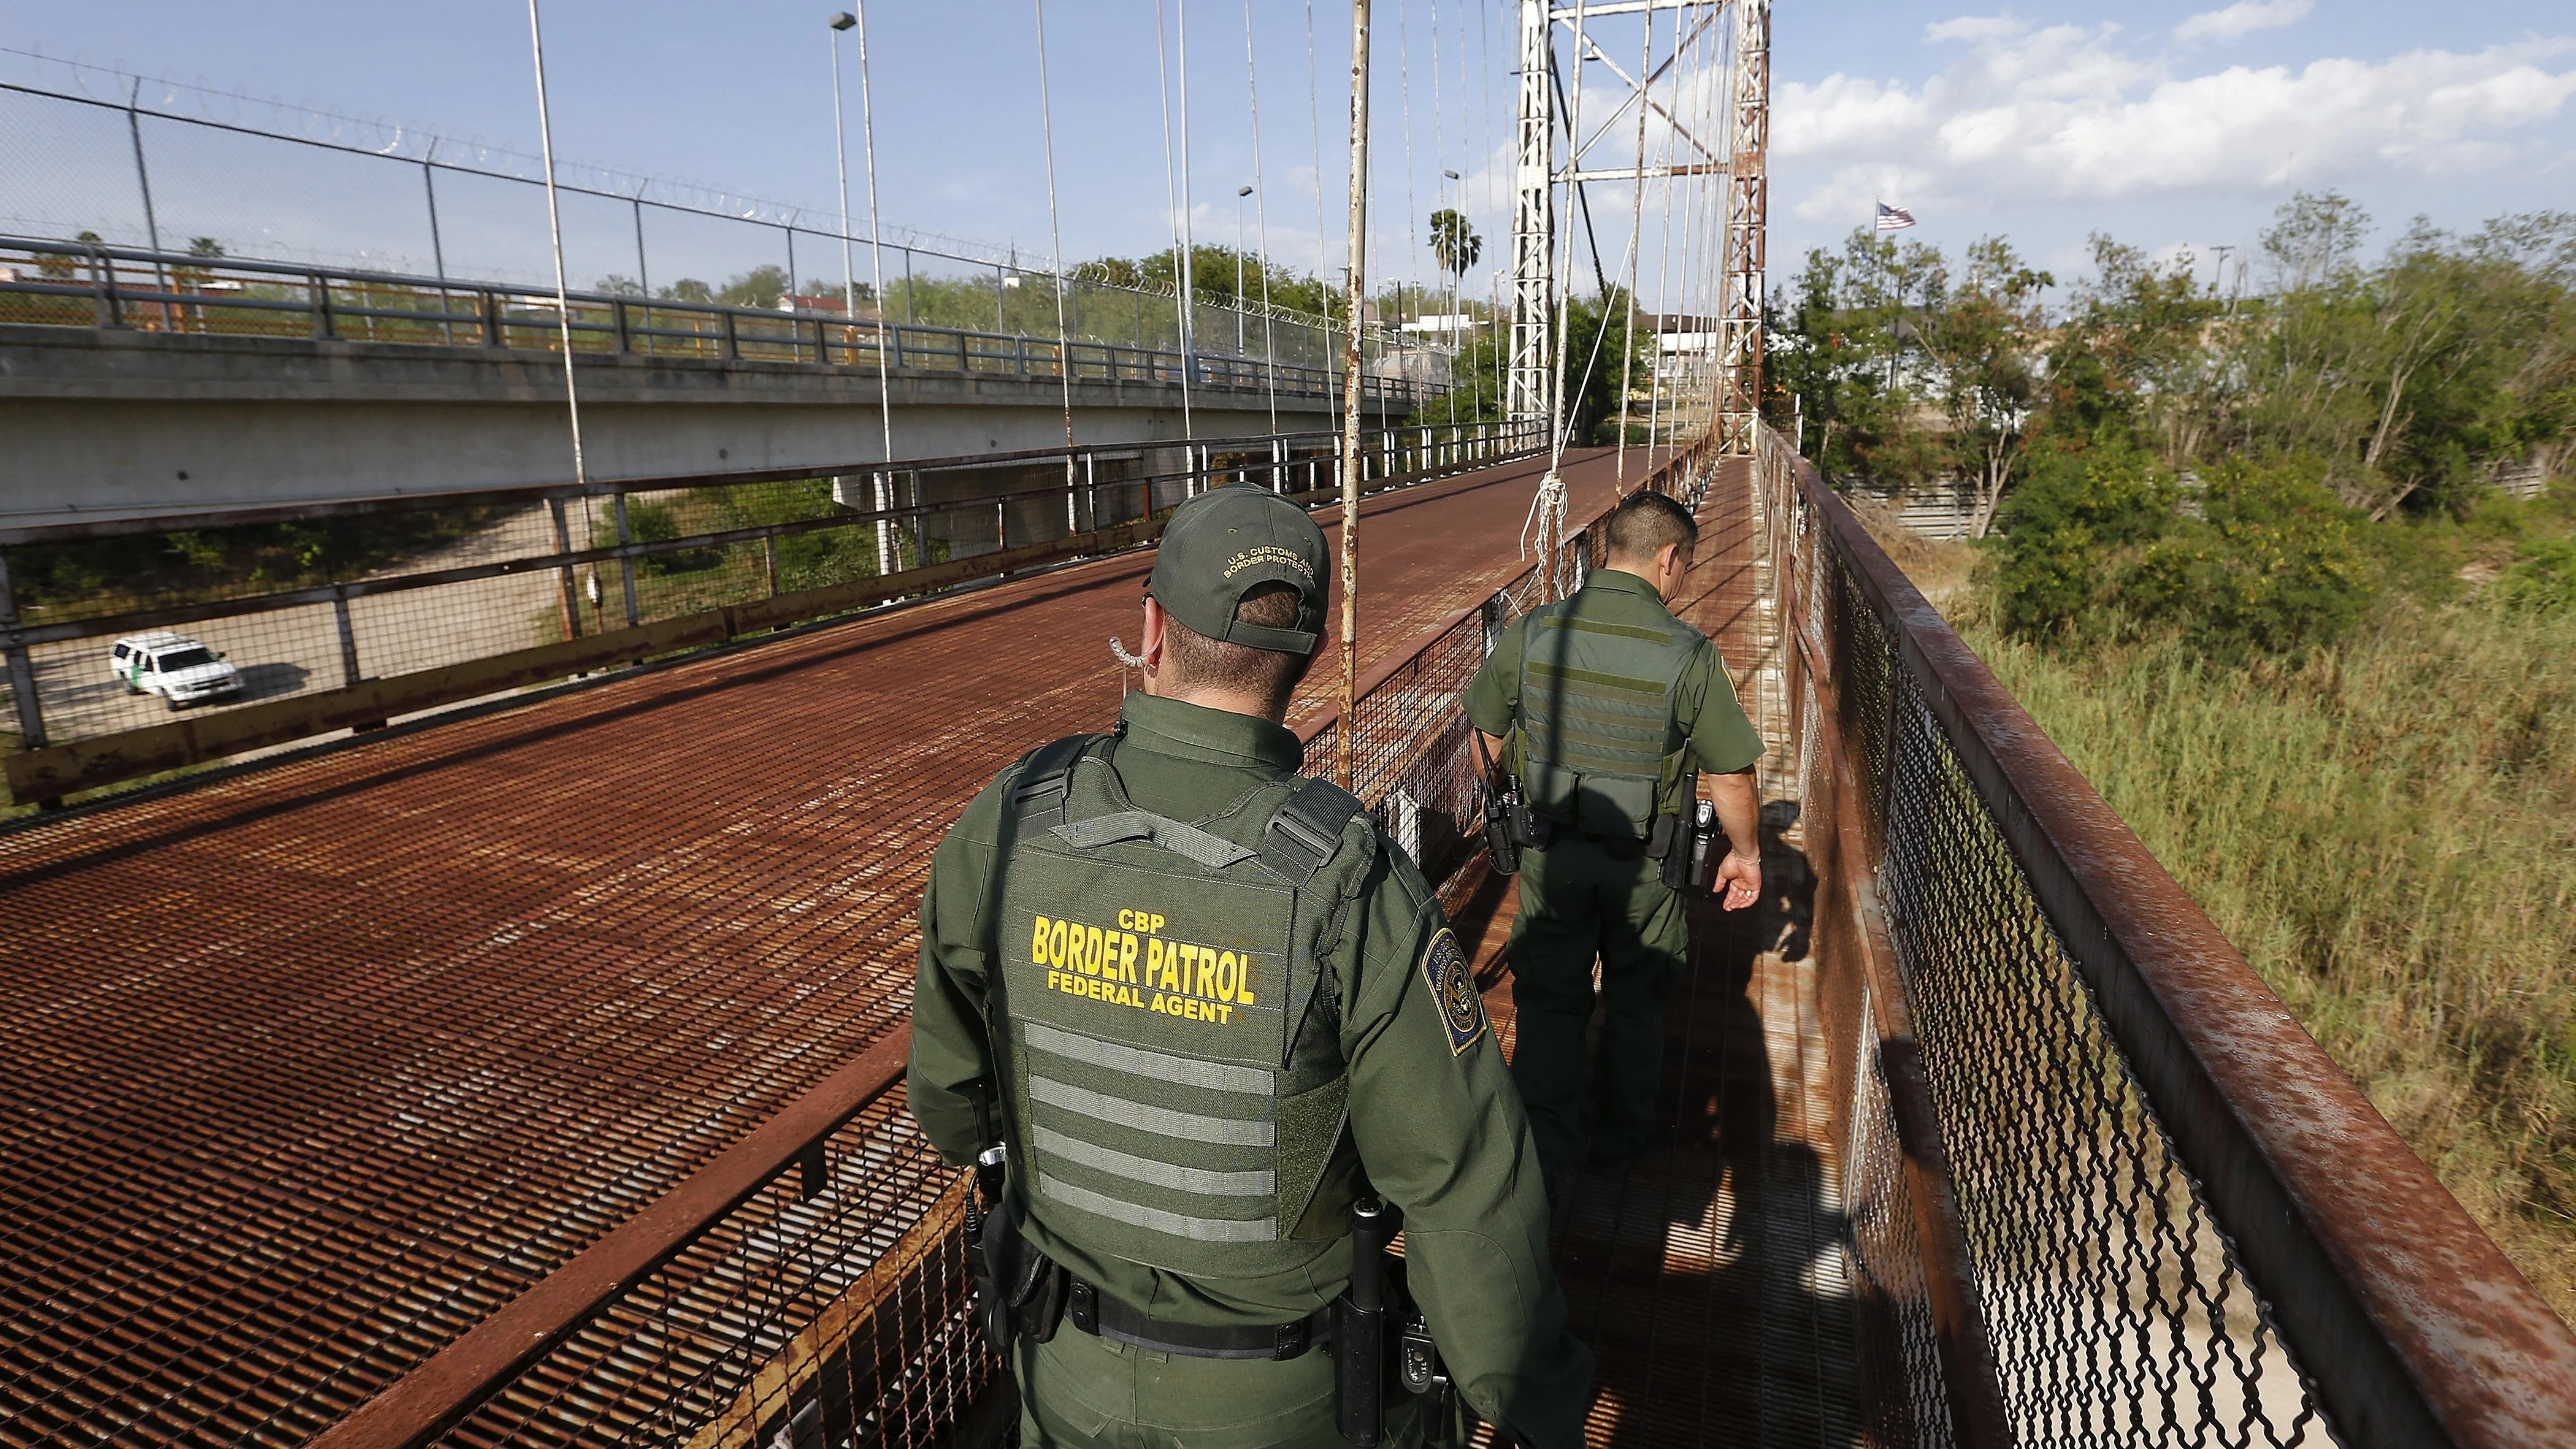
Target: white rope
1056, 278
1172, 203
1261, 225
887, 558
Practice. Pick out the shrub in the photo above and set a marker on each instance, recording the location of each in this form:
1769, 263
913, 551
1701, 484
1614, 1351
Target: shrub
2543, 580
660, 523
2066, 531
2269, 568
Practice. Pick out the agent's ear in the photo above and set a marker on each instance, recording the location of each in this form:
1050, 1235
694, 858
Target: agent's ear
1149, 644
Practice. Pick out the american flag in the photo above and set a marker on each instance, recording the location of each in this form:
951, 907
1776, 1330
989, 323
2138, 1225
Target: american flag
1893, 218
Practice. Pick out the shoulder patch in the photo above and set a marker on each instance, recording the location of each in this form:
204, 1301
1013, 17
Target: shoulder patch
1453, 989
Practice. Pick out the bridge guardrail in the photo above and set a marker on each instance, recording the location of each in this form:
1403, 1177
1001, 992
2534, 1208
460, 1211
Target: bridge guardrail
843, 1298
527, 586
2176, 1219
86, 284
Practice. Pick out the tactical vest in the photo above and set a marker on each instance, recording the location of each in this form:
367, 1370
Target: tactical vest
1173, 1075
1600, 746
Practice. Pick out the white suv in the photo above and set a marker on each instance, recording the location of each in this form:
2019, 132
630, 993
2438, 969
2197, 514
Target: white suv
181, 670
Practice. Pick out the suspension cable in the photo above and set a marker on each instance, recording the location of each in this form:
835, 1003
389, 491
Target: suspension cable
1172, 200
1056, 279
1315, 125
1189, 207
886, 555
1404, 89
1261, 227
554, 225
1636, 226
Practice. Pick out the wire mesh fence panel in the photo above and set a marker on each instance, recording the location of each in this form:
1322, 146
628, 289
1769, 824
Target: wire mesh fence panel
2114, 1303
829, 1308
70, 170
2118, 1309
175, 170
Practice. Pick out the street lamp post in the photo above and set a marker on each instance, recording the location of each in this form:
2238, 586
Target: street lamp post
843, 20
1238, 270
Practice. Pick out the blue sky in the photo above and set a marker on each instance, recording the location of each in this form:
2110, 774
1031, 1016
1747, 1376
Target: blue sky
2165, 126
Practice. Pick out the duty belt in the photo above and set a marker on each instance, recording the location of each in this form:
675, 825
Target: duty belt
1103, 1316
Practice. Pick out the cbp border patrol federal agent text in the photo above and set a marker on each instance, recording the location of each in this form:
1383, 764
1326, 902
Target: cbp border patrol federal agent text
1208, 1014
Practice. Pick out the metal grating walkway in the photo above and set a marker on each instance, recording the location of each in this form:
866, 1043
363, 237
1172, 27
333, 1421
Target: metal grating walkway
1710, 1280
315, 1067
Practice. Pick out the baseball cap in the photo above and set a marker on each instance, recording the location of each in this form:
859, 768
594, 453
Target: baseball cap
1224, 543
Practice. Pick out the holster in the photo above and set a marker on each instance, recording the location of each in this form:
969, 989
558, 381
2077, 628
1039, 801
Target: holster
1019, 1291
1673, 839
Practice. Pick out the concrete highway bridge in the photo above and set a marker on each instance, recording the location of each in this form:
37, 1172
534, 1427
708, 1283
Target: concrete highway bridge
486, 1026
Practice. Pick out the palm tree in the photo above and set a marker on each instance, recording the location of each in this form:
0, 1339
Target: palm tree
1455, 245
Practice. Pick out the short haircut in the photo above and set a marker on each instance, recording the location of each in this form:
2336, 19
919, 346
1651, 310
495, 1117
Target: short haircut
1645, 521
1197, 661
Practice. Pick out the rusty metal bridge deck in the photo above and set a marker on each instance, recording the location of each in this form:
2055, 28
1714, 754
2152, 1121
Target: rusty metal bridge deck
314, 1068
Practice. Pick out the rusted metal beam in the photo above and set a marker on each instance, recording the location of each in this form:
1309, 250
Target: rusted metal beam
462, 1376
2410, 1322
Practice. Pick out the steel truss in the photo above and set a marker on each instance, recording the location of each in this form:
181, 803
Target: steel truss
1534, 391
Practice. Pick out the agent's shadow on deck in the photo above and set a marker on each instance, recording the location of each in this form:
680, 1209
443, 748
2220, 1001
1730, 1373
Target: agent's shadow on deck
1707, 1279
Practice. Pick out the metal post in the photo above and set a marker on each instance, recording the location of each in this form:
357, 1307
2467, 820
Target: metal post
791, 271
1747, 200
769, 561
143, 178
643, 279
348, 637
437, 246
22, 667
1357, 290
1531, 374
626, 562
571, 595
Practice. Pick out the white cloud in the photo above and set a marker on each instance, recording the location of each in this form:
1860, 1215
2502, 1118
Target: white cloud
2243, 18
1975, 27
2073, 112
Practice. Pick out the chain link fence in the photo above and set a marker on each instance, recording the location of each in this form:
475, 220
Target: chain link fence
96, 156
1998, 1146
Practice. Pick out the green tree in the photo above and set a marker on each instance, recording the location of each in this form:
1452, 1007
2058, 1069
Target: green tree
759, 287
1984, 349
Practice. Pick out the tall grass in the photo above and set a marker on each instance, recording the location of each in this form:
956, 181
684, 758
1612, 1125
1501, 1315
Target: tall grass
2387, 830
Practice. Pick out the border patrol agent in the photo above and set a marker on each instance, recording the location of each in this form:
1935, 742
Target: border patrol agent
1207, 1006
1606, 706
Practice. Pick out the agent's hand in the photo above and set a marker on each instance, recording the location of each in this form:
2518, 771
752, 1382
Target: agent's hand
1739, 879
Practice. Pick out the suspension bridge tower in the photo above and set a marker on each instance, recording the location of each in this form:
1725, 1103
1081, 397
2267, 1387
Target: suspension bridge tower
1725, 44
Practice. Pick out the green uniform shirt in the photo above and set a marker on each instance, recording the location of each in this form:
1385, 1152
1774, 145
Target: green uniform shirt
1722, 740
1440, 1131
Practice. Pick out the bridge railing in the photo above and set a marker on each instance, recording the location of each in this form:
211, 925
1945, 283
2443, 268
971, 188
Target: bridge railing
82, 284
2101, 1188
395, 607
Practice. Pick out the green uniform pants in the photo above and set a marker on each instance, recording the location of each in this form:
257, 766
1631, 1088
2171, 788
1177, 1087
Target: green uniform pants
1577, 902
1081, 1392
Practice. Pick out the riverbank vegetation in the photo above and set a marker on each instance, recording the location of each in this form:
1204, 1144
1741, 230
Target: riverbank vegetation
2290, 574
